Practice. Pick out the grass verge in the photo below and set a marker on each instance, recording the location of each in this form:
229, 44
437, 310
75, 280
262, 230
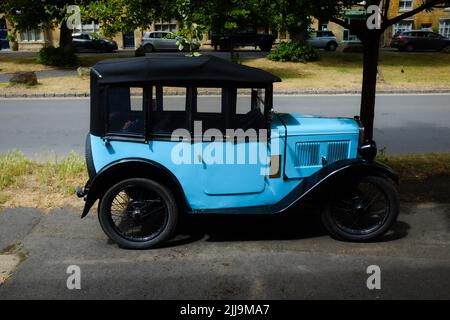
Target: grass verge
333, 71
51, 184
339, 71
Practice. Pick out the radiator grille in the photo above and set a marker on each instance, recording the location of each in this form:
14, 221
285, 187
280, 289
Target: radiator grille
307, 154
337, 150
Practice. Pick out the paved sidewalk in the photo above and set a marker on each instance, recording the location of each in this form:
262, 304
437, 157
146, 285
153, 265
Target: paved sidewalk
226, 258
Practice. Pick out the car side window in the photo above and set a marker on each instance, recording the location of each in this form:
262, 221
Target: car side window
250, 104
208, 108
125, 110
168, 110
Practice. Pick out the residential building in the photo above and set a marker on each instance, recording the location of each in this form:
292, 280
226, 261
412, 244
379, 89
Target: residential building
437, 20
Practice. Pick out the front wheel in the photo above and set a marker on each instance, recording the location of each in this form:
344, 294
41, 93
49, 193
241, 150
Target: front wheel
138, 213
149, 48
409, 48
362, 211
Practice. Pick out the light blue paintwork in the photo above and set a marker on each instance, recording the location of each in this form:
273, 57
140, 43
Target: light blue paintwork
213, 186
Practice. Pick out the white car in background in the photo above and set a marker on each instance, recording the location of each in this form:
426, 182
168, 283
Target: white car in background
323, 40
159, 41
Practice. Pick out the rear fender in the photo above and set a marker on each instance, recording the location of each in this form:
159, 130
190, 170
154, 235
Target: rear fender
125, 169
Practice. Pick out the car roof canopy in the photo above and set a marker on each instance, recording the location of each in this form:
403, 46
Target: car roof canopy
204, 70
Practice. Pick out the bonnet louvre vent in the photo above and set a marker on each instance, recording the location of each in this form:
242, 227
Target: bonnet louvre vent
337, 150
307, 154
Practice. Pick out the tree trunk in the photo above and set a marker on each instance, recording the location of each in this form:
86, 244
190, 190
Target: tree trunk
65, 37
369, 85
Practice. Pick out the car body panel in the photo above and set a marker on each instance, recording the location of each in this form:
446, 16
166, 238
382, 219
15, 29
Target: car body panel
159, 42
84, 42
321, 39
195, 178
238, 184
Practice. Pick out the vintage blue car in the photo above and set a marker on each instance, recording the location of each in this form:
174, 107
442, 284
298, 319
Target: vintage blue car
198, 135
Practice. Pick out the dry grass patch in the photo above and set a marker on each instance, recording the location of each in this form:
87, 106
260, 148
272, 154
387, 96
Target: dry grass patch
10, 64
69, 84
25, 183
338, 70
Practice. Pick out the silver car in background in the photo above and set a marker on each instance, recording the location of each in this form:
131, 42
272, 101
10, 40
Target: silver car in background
159, 41
323, 40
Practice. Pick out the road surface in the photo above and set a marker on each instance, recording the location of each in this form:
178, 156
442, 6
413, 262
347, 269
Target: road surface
287, 257
403, 123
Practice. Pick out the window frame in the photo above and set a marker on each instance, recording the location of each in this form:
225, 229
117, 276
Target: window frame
123, 136
228, 110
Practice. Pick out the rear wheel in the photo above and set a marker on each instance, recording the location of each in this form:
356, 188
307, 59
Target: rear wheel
331, 46
364, 210
138, 213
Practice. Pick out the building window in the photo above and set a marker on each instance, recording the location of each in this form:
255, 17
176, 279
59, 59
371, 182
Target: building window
31, 35
402, 27
170, 26
405, 5
444, 28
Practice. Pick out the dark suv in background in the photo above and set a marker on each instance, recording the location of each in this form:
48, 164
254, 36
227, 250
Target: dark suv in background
419, 40
247, 36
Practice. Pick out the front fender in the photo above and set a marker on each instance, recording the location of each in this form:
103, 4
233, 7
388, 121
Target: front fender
332, 175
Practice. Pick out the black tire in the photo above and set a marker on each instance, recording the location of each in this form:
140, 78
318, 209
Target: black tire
409, 47
349, 207
149, 205
149, 48
224, 47
265, 47
331, 46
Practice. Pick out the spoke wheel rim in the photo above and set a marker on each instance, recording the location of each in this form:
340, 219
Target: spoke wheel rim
138, 214
361, 211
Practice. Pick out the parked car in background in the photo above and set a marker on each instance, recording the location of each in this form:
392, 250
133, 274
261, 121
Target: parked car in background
244, 37
323, 40
159, 41
419, 40
86, 42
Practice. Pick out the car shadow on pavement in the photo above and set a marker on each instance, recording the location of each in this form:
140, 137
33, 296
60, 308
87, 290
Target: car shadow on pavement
300, 223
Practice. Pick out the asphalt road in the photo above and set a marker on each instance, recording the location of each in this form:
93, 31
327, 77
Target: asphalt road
403, 123
288, 257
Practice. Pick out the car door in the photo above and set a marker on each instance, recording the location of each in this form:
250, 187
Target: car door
82, 42
233, 162
433, 41
314, 40
165, 43
420, 40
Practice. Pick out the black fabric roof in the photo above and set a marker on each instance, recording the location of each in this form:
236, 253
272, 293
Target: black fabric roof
204, 69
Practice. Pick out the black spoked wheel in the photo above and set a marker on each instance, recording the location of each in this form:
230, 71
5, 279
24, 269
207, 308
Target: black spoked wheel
362, 212
138, 213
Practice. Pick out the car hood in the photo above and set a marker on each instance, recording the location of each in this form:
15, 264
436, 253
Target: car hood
298, 124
